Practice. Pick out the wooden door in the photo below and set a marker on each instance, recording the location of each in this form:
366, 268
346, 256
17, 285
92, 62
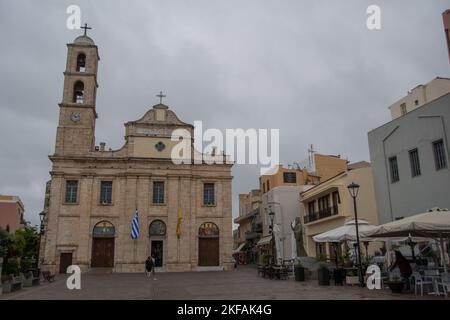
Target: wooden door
103, 253
208, 251
65, 261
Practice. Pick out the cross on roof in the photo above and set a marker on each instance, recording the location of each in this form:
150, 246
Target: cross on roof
161, 96
85, 28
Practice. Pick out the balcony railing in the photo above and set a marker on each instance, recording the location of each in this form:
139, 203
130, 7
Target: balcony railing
251, 235
322, 214
257, 227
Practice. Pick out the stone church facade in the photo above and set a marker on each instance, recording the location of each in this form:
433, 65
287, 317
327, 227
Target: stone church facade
94, 193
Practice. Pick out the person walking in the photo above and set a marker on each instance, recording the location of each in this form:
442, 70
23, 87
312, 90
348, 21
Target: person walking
149, 266
405, 268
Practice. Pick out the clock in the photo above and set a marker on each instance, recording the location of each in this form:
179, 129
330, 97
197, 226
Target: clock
75, 117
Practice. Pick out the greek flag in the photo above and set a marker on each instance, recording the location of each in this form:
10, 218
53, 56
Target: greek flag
135, 225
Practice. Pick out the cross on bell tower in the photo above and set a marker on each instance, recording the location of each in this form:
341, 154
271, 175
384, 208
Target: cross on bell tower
86, 28
161, 96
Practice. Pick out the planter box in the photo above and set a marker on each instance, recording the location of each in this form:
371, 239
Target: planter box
6, 287
299, 273
396, 287
324, 277
352, 280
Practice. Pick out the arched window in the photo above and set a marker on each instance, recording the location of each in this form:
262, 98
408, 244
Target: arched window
104, 229
208, 230
81, 62
157, 228
78, 92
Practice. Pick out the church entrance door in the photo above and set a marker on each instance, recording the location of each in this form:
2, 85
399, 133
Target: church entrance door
103, 253
208, 252
157, 252
208, 245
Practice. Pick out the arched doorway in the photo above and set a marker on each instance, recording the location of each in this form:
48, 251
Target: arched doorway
157, 233
103, 245
208, 245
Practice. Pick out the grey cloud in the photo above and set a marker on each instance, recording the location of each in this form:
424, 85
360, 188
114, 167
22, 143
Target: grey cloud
310, 68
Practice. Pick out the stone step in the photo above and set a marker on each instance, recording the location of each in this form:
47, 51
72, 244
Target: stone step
100, 270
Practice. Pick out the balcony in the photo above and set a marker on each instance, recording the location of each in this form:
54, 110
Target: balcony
248, 215
251, 235
257, 227
318, 215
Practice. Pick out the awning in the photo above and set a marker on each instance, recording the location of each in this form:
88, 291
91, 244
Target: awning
239, 249
432, 224
264, 240
347, 232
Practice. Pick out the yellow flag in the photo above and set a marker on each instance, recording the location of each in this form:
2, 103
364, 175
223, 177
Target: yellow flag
179, 223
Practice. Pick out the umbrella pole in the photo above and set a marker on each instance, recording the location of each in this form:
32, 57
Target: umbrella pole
441, 240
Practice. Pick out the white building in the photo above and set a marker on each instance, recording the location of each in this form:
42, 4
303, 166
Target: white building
284, 201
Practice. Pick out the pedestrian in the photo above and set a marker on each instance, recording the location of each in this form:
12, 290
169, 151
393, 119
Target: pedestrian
153, 261
403, 265
149, 263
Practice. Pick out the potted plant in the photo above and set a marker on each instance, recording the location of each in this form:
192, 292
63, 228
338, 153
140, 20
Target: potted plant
299, 271
351, 277
323, 272
396, 285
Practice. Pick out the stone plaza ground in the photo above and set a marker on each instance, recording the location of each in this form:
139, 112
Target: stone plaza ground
240, 284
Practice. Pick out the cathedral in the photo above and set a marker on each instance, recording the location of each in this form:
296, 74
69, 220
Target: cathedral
184, 210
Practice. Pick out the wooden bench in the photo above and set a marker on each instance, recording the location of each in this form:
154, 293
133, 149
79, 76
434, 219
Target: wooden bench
30, 280
48, 276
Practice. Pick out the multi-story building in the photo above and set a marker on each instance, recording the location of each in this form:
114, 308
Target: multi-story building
410, 161
11, 213
250, 224
281, 196
420, 95
329, 205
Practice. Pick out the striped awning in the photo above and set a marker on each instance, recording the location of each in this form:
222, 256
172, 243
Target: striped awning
264, 241
239, 249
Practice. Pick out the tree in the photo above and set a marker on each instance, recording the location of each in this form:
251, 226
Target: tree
22, 246
4, 237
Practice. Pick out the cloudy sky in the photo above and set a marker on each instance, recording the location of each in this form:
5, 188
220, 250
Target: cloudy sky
310, 68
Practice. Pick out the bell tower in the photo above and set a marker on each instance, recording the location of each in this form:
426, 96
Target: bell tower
77, 114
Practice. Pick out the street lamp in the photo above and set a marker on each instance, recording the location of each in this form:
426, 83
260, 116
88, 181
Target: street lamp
274, 254
353, 188
42, 217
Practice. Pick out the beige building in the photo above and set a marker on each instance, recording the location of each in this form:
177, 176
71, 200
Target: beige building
249, 220
420, 95
184, 210
321, 167
329, 205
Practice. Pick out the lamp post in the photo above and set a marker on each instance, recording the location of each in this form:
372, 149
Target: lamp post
353, 188
42, 217
274, 253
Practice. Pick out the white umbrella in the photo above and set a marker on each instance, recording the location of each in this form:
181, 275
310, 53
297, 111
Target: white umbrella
347, 232
432, 224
